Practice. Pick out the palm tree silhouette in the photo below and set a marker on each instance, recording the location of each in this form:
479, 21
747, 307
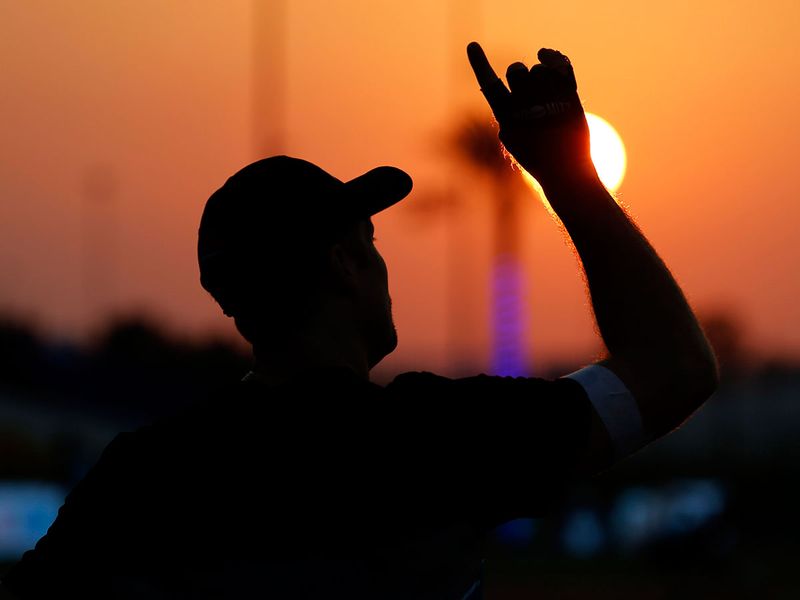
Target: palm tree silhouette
475, 142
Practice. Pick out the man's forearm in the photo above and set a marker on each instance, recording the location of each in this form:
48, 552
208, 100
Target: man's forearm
651, 334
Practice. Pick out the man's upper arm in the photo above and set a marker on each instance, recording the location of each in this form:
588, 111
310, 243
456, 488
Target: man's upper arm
521, 438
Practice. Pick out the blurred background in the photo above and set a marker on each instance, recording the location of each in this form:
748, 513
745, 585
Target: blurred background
121, 118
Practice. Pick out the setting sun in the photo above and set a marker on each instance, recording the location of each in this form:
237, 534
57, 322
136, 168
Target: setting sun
608, 152
608, 155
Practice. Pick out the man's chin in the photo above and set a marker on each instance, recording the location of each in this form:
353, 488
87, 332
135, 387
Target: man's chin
387, 348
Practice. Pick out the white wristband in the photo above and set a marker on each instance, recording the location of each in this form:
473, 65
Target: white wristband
616, 407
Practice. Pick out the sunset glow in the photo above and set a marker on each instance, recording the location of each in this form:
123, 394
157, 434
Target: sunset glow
168, 99
608, 152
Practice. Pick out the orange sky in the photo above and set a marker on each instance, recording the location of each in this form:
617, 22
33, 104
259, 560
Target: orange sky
155, 99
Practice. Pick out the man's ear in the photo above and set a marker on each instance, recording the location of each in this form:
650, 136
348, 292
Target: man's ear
343, 268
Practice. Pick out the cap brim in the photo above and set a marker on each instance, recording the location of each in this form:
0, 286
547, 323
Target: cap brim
378, 189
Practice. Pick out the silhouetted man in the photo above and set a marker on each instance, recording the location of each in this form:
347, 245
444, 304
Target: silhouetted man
306, 480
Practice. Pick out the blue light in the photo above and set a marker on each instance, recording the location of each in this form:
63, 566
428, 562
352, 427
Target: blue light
508, 358
27, 509
643, 515
583, 535
517, 533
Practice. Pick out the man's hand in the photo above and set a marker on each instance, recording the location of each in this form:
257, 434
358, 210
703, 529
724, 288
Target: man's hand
541, 119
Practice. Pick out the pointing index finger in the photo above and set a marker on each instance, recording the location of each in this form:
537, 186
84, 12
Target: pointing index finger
484, 72
492, 86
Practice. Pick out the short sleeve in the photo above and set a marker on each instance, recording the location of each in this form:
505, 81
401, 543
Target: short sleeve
616, 407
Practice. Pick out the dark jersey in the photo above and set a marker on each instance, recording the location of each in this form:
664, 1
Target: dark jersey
329, 486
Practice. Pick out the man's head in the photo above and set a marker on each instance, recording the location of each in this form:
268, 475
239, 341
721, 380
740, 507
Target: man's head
283, 245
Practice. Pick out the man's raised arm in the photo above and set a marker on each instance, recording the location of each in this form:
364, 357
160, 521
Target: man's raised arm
656, 346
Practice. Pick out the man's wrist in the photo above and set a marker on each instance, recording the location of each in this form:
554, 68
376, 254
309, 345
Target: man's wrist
575, 178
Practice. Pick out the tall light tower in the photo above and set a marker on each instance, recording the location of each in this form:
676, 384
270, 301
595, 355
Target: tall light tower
463, 25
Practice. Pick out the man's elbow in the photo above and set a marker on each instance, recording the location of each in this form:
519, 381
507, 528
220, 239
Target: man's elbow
695, 380
671, 386
702, 375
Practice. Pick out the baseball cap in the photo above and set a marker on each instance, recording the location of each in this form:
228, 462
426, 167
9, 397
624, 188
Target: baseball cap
273, 208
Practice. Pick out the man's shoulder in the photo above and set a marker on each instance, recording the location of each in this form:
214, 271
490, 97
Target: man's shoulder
421, 380
418, 378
